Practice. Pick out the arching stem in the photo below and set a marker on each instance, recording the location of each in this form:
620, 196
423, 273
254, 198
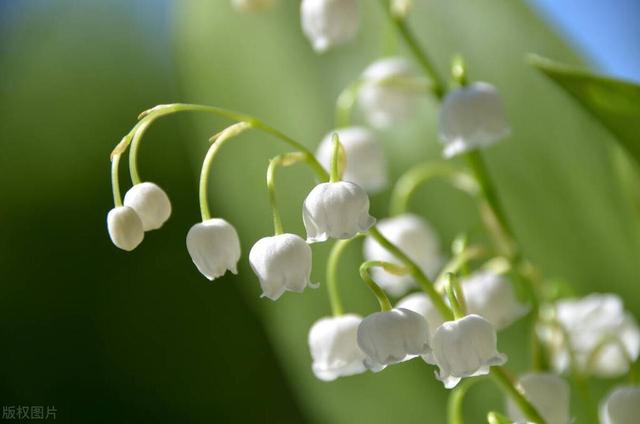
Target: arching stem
286, 159
332, 274
383, 300
115, 181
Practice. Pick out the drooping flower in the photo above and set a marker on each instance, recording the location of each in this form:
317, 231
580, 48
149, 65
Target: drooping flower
366, 164
125, 228
282, 263
415, 237
491, 296
337, 210
472, 117
603, 336
334, 347
214, 247
422, 304
329, 23
392, 336
548, 393
388, 94
151, 204
252, 5
464, 348
621, 406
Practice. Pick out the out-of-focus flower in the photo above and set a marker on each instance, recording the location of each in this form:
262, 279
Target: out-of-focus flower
389, 92
415, 237
333, 342
281, 262
622, 406
472, 117
603, 336
151, 204
548, 393
125, 228
252, 5
422, 304
214, 247
366, 164
329, 23
464, 348
337, 210
392, 336
491, 296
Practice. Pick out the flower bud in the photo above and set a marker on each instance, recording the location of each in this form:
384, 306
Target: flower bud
598, 329
622, 406
338, 210
214, 247
422, 304
472, 117
548, 393
366, 164
328, 23
465, 348
492, 297
388, 94
415, 237
252, 5
125, 228
334, 347
151, 204
281, 262
392, 336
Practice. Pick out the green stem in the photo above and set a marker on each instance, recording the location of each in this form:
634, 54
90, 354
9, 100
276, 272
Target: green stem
115, 181
422, 173
332, 274
438, 83
506, 383
286, 159
147, 117
222, 138
336, 155
345, 104
383, 300
456, 399
456, 296
415, 271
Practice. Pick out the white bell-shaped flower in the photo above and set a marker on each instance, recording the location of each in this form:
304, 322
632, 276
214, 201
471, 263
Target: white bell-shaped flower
596, 323
333, 342
472, 117
329, 23
548, 393
422, 304
337, 210
491, 296
366, 164
392, 336
464, 348
125, 228
151, 204
214, 247
415, 237
622, 406
282, 263
389, 92
252, 5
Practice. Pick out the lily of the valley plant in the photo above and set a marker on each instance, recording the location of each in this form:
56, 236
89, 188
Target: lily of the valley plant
452, 306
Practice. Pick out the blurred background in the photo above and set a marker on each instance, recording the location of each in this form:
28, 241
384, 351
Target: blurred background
108, 336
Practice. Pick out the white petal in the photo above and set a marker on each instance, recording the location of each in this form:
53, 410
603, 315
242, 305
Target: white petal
328, 23
548, 393
214, 247
151, 204
621, 406
125, 228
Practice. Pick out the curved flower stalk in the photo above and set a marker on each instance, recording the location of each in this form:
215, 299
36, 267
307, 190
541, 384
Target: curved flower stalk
329, 23
550, 395
366, 165
621, 406
415, 237
596, 333
334, 347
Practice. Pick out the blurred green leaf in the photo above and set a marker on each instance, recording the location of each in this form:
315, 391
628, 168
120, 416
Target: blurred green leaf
615, 103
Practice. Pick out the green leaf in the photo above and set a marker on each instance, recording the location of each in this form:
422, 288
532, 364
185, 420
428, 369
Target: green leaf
615, 103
